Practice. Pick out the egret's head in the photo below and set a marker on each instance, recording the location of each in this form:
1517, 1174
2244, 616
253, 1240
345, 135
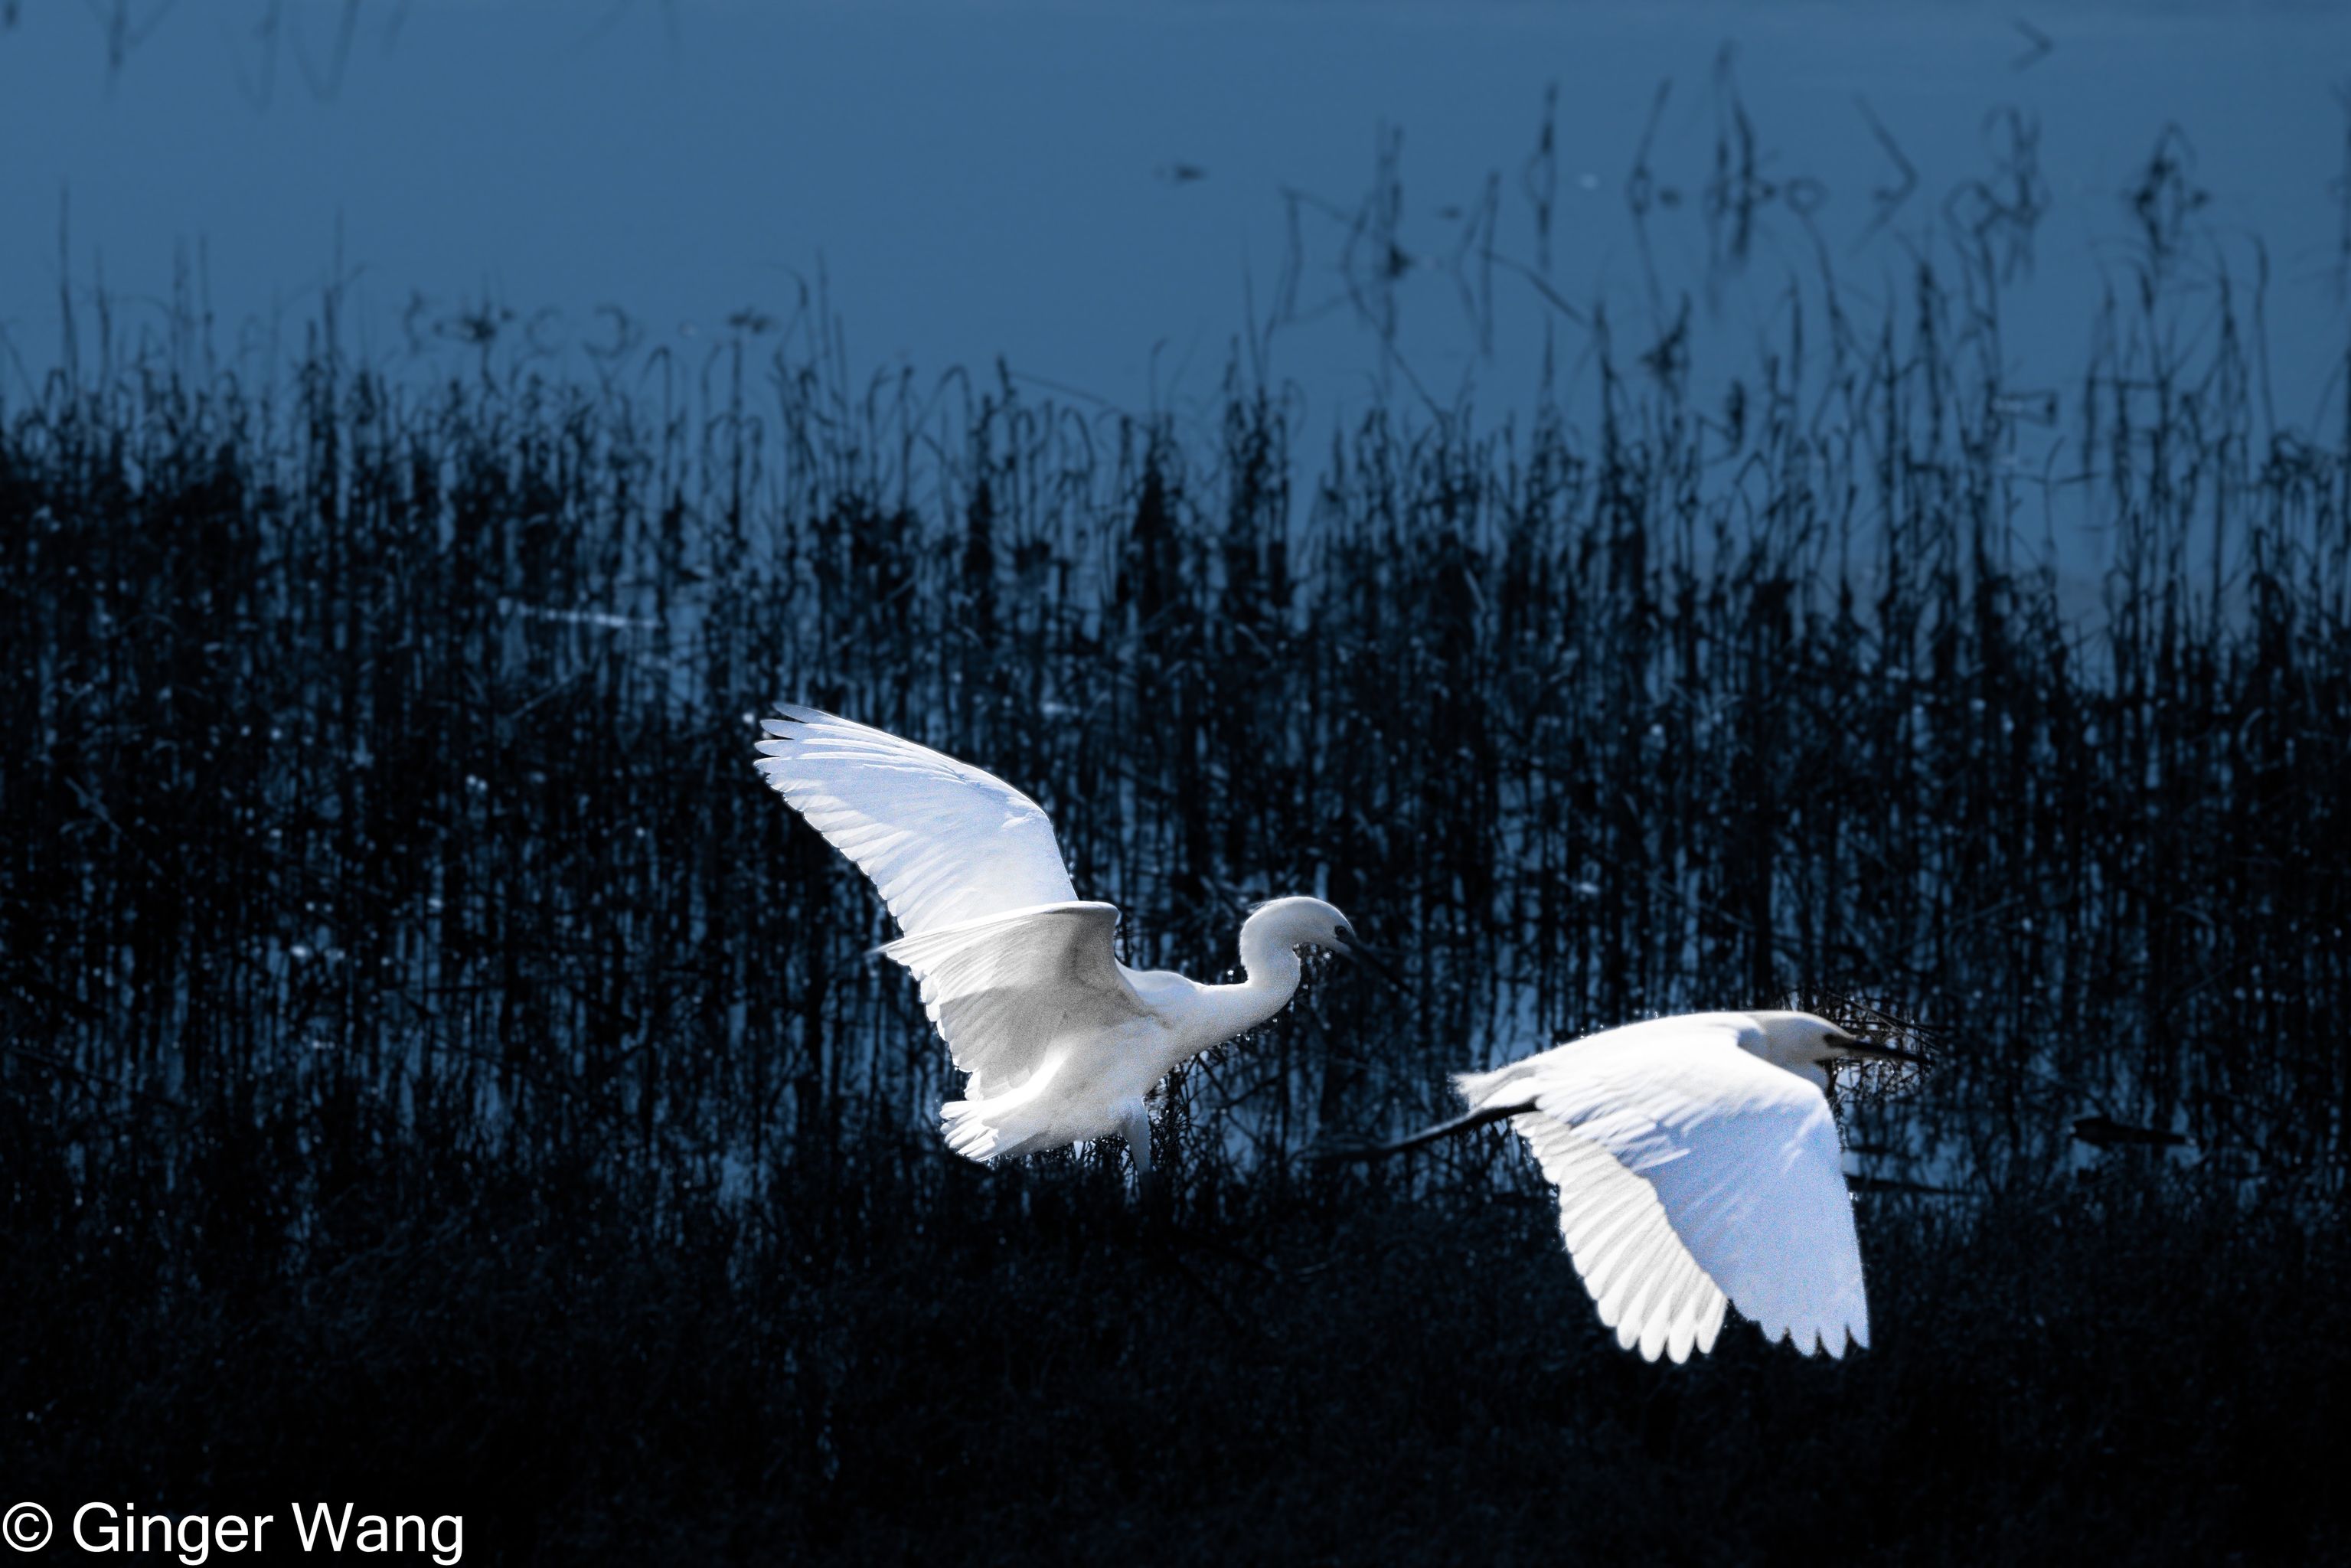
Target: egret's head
1806, 1045
1283, 926
1301, 922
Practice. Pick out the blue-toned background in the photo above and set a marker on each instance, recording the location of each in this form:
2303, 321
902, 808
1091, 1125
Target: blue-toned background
1647, 508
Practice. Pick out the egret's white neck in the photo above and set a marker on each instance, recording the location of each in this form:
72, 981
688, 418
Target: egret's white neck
1270, 958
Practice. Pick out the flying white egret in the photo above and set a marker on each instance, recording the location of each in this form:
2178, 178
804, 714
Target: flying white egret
1698, 1167
1062, 1041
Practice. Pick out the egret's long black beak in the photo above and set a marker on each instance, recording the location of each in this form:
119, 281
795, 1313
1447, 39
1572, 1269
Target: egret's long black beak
1878, 1050
1374, 964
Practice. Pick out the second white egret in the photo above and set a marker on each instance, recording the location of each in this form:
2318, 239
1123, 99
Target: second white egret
1698, 1167
1062, 1041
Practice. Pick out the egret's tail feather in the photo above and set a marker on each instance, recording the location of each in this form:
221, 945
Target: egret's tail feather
967, 1133
1479, 1089
984, 1132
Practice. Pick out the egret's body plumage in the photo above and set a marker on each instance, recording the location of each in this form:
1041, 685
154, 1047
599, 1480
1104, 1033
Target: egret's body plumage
1062, 1041
1697, 1169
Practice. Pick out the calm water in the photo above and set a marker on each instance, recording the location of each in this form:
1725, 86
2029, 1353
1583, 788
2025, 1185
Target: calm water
1103, 196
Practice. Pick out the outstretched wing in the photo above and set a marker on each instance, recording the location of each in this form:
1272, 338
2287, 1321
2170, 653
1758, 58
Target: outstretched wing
1688, 1171
1010, 991
943, 841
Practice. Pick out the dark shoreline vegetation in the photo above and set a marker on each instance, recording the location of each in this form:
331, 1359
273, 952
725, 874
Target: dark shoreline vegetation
437, 1073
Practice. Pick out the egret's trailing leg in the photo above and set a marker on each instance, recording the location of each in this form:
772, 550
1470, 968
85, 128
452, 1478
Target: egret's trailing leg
1335, 1150
1151, 1188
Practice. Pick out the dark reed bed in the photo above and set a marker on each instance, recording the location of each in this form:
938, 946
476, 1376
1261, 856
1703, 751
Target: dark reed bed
435, 1069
